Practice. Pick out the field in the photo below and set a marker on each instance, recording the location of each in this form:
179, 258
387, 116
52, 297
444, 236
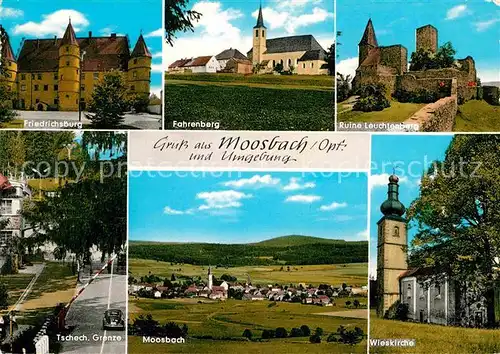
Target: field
352, 274
477, 116
263, 102
398, 112
226, 321
434, 338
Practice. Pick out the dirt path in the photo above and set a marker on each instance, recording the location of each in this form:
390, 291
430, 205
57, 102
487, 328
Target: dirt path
357, 313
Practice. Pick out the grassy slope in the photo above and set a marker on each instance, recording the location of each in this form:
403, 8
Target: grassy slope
477, 116
434, 338
398, 112
353, 273
251, 102
231, 318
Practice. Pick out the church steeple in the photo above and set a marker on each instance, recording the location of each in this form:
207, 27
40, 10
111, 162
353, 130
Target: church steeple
260, 19
368, 42
141, 49
392, 206
7, 52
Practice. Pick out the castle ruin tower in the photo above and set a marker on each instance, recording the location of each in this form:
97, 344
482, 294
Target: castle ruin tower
368, 42
391, 248
210, 280
139, 68
9, 60
427, 38
259, 39
69, 71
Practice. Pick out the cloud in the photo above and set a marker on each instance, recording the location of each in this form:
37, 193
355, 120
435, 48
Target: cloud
106, 31
170, 211
213, 34
295, 185
296, 4
53, 24
301, 198
348, 66
382, 180
10, 12
482, 26
256, 181
333, 206
222, 199
158, 55
496, 2
456, 12
292, 21
160, 32
488, 75
363, 234
157, 68
157, 90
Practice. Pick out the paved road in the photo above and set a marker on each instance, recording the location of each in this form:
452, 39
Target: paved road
140, 121
86, 313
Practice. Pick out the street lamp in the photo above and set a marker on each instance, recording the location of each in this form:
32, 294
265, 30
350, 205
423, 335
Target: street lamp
80, 88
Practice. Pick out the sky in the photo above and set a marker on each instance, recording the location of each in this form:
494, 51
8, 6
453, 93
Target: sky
245, 207
44, 19
410, 156
473, 27
229, 24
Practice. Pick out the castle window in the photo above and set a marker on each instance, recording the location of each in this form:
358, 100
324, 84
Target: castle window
312, 65
67, 49
56, 87
67, 62
55, 76
96, 76
23, 76
67, 96
134, 74
45, 87
23, 87
257, 33
39, 76
396, 231
76, 101
36, 87
77, 72
135, 61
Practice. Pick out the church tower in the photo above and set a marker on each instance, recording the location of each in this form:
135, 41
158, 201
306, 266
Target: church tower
8, 59
368, 42
210, 280
391, 248
139, 68
259, 39
69, 71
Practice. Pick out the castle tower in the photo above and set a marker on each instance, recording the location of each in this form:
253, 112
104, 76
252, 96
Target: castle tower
69, 71
259, 39
391, 248
427, 38
368, 42
8, 59
139, 68
210, 280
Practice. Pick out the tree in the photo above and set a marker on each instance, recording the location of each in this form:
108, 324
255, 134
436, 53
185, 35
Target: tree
330, 59
424, 59
247, 334
278, 68
315, 338
457, 218
6, 113
178, 19
281, 332
348, 303
356, 303
108, 102
343, 87
318, 331
296, 332
305, 329
4, 296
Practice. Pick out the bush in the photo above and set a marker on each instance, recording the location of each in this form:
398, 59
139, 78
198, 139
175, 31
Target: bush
305, 329
247, 333
346, 336
315, 338
343, 87
280, 332
296, 332
267, 334
372, 99
397, 311
420, 96
139, 102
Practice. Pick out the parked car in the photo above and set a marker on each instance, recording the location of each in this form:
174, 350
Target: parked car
113, 319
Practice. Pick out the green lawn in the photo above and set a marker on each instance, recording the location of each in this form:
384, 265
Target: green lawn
14, 124
55, 277
397, 112
16, 283
271, 104
434, 338
477, 116
353, 273
226, 321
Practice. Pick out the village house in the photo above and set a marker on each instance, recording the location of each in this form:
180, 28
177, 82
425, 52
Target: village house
178, 66
204, 64
225, 56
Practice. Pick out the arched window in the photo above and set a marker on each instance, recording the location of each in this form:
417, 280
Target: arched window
396, 231
408, 291
263, 33
257, 33
289, 62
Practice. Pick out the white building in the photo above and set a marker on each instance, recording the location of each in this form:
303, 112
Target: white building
206, 64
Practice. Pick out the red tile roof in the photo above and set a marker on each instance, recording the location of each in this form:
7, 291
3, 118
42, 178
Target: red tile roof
199, 61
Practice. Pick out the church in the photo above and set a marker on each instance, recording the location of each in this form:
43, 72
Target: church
429, 297
302, 53
60, 73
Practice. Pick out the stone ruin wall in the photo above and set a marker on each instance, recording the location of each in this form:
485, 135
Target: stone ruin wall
394, 56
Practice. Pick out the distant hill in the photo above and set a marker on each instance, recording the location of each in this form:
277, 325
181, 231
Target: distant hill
293, 249
491, 83
294, 240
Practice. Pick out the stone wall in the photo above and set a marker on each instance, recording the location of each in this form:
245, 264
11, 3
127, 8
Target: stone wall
436, 117
412, 83
395, 56
427, 38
